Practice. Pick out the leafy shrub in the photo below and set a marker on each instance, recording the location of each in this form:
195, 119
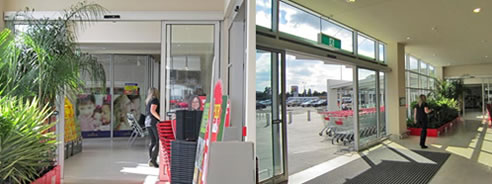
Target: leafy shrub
26, 146
444, 111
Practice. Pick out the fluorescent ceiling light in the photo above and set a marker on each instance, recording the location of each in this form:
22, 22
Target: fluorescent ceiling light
477, 10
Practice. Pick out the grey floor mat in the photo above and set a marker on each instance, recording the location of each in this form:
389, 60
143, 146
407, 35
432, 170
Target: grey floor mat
385, 172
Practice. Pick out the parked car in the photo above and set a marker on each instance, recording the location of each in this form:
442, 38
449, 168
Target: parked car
266, 102
260, 106
308, 103
320, 103
293, 103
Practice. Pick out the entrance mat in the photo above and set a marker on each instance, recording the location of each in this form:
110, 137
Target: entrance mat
386, 172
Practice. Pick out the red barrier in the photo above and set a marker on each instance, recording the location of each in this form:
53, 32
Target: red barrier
51, 177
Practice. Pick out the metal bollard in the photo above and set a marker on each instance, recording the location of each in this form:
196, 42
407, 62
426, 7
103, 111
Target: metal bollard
290, 117
267, 120
309, 115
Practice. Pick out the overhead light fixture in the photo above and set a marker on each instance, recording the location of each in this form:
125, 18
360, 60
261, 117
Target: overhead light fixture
408, 38
486, 56
351, 1
477, 10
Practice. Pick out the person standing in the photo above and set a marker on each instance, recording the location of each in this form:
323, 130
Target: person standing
151, 119
420, 117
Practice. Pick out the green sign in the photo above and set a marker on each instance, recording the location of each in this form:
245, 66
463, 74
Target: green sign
330, 41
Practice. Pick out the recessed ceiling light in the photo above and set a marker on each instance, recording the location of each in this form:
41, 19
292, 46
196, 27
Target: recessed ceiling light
434, 54
350, 1
486, 56
477, 10
408, 38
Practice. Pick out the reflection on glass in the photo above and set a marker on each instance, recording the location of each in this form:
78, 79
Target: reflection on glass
190, 64
381, 52
382, 103
366, 46
264, 147
339, 32
264, 13
367, 105
298, 23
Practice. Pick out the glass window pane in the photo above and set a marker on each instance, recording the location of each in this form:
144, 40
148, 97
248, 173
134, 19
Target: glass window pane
431, 83
339, 32
414, 80
264, 132
432, 70
190, 65
413, 64
423, 82
367, 105
382, 52
423, 68
366, 46
406, 79
264, 13
292, 20
382, 104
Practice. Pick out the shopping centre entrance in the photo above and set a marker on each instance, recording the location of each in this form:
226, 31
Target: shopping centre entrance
305, 108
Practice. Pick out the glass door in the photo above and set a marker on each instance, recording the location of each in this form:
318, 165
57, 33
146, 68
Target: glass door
368, 106
191, 49
270, 127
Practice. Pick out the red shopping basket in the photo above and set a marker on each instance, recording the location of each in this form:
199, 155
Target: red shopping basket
166, 135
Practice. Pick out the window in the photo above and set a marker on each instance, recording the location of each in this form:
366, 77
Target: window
413, 64
264, 13
423, 68
381, 52
366, 46
420, 79
432, 71
345, 35
292, 20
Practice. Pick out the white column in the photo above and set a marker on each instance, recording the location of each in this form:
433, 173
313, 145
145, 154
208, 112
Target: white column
250, 70
396, 82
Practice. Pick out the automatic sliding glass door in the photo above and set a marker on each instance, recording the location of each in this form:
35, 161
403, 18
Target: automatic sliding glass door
270, 127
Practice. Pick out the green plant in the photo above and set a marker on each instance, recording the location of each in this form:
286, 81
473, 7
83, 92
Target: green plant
25, 143
44, 59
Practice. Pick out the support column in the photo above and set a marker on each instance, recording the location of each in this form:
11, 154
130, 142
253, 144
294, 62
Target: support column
396, 89
250, 70
2, 7
332, 98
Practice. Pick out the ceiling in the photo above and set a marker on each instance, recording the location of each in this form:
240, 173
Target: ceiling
441, 32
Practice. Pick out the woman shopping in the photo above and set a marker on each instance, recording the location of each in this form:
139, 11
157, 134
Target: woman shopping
420, 117
151, 119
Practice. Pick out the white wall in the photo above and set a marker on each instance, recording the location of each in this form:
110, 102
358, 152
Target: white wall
120, 32
121, 5
479, 70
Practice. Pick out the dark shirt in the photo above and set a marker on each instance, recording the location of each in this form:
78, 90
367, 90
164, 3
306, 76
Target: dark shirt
421, 115
154, 101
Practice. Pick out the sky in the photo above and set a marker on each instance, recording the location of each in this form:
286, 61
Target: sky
303, 73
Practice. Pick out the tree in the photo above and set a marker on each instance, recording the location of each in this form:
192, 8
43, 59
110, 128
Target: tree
310, 93
45, 60
304, 92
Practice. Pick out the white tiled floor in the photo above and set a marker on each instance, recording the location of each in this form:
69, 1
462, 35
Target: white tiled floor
469, 143
106, 161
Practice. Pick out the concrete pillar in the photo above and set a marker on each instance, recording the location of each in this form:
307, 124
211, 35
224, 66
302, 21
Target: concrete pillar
250, 69
395, 90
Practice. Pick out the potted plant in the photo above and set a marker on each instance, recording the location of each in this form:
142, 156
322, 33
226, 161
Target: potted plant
26, 146
36, 65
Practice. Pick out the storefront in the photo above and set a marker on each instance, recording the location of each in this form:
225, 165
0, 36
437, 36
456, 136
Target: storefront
360, 87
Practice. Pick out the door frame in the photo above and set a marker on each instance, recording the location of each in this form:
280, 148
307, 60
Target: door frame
283, 115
